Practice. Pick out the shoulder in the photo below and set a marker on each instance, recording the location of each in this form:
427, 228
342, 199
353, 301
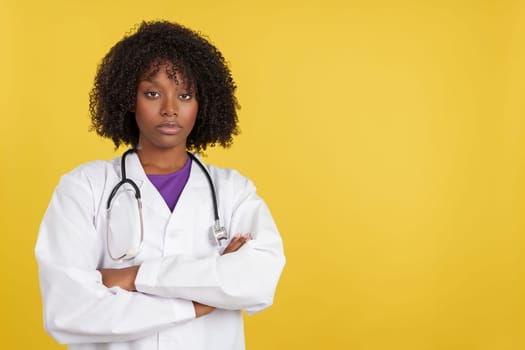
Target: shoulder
229, 176
94, 166
91, 173
232, 186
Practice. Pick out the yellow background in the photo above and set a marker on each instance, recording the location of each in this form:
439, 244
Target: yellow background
388, 138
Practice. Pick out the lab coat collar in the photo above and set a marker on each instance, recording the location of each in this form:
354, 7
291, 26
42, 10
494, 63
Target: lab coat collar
151, 196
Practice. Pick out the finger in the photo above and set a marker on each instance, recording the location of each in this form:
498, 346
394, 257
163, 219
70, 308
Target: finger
236, 243
239, 242
232, 246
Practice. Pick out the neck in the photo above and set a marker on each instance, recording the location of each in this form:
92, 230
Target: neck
162, 161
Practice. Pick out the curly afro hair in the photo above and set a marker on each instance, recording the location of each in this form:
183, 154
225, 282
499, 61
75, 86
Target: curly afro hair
143, 53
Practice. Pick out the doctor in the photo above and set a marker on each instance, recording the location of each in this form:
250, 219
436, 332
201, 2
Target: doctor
151, 250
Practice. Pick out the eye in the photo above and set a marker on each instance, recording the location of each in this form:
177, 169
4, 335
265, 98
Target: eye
151, 94
185, 97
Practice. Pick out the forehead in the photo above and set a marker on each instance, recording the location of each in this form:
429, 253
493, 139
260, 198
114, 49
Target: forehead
177, 72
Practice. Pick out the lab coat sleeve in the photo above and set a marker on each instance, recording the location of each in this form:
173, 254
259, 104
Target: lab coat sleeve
243, 280
78, 308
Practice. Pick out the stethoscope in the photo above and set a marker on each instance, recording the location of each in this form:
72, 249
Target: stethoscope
219, 232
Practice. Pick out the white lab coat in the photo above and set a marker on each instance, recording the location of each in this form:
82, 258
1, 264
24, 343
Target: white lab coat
179, 263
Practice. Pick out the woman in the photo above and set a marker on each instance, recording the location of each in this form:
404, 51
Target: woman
130, 252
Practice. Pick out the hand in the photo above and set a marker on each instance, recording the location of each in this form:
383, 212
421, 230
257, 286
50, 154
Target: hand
201, 309
123, 278
237, 242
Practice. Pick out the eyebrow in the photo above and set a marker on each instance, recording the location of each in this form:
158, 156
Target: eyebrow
183, 83
154, 81
148, 79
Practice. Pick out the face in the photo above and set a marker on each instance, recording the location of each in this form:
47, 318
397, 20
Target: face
165, 110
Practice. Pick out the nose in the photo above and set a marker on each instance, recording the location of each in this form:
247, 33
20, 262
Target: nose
169, 107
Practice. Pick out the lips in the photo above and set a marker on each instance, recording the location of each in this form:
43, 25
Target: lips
169, 128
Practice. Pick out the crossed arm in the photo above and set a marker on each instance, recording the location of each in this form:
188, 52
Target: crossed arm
173, 289
125, 277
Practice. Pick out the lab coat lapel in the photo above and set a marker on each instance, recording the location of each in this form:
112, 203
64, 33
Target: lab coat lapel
194, 195
188, 226
151, 198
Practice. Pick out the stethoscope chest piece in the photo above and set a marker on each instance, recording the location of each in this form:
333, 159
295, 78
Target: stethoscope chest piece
219, 233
